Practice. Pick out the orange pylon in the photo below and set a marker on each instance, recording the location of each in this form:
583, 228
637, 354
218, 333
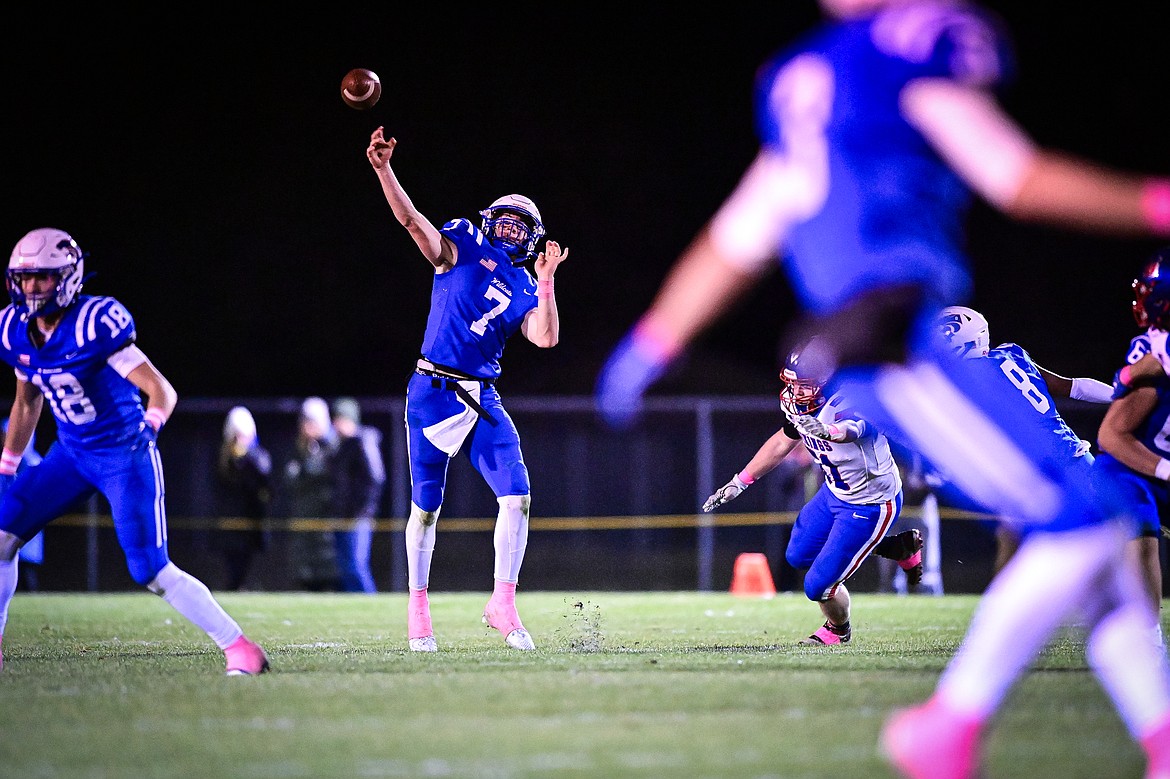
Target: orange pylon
752, 577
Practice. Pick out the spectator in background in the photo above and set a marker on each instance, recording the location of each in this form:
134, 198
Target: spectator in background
243, 495
306, 492
358, 476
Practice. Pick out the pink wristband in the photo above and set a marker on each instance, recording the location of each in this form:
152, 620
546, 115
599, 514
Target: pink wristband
9, 462
155, 418
746, 477
1156, 205
1123, 375
544, 288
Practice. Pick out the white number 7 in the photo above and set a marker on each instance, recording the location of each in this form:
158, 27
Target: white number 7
479, 326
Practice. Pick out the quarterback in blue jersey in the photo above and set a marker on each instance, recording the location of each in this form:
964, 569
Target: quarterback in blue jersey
78, 353
1135, 450
482, 293
876, 129
852, 511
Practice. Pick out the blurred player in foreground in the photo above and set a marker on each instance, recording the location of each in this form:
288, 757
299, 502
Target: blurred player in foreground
78, 352
850, 514
876, 127
1133, 434
482, 294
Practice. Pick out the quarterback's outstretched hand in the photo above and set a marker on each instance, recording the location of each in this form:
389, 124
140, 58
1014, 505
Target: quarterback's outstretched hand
727, 492
380, 149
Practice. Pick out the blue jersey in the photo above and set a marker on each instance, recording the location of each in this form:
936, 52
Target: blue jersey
476, 305
1017, 367
94, 405
1154, 432
888, 210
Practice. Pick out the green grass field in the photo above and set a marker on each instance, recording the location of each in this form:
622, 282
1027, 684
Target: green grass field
621, 685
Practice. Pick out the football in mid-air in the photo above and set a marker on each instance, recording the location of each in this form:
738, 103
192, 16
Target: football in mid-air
361, 88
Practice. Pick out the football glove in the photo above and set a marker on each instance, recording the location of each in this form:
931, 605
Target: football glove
727, 492
809, 425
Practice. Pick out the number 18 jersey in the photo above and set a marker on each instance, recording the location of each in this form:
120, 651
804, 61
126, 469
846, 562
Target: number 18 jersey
81, 371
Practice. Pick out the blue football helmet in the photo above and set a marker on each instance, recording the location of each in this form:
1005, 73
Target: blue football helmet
964, 330
806, 372
512, 223
1151, 294
49, 251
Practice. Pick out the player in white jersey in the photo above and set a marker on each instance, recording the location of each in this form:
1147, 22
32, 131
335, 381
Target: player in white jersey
848, 517
77, 353
481, 295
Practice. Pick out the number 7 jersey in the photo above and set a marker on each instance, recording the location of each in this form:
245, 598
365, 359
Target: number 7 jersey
476, 305
81, 371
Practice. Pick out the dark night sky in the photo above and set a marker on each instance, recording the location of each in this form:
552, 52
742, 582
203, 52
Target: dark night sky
221, 187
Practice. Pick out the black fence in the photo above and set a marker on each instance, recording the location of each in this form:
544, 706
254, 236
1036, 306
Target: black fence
610, 510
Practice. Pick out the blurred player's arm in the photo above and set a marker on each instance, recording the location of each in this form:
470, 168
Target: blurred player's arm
542, 325
726, 258
1140, 373
998, 159
22, 422
1089, 390
438, 250
764, 461
1116, 435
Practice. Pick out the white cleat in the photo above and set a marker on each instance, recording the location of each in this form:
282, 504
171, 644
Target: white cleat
519, 639
424, 644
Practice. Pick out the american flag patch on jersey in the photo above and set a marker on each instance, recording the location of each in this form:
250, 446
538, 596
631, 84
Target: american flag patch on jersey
489, 264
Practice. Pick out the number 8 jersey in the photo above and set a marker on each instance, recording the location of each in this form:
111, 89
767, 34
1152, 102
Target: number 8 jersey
81, 370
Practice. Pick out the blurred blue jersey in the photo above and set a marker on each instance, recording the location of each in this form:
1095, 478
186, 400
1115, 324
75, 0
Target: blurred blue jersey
476, 305
1017, 367
1154, 432
891, 210
94, 405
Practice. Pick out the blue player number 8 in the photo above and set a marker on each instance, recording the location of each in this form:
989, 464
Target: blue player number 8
1024, 384
66, 397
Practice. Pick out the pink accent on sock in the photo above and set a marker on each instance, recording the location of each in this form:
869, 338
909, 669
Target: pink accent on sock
504, 593
1156, 743
827, 636
932, 741
502, 616
418, 615
911, 561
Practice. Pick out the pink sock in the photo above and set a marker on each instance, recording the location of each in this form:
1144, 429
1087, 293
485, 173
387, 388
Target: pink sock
418, 615
504, 593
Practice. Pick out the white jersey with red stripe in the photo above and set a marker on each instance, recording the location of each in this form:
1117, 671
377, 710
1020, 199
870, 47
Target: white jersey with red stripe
861, 471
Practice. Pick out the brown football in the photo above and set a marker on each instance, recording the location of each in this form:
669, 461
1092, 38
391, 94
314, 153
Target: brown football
361, 88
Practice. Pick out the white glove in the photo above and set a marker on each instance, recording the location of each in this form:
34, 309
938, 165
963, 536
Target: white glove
809, 425
729, 491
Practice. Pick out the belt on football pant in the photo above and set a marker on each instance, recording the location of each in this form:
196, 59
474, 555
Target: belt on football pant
443, 377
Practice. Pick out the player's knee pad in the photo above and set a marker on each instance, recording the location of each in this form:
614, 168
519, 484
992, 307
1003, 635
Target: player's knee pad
9, 546
515, 503
423, 517
166, 578
816, 590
